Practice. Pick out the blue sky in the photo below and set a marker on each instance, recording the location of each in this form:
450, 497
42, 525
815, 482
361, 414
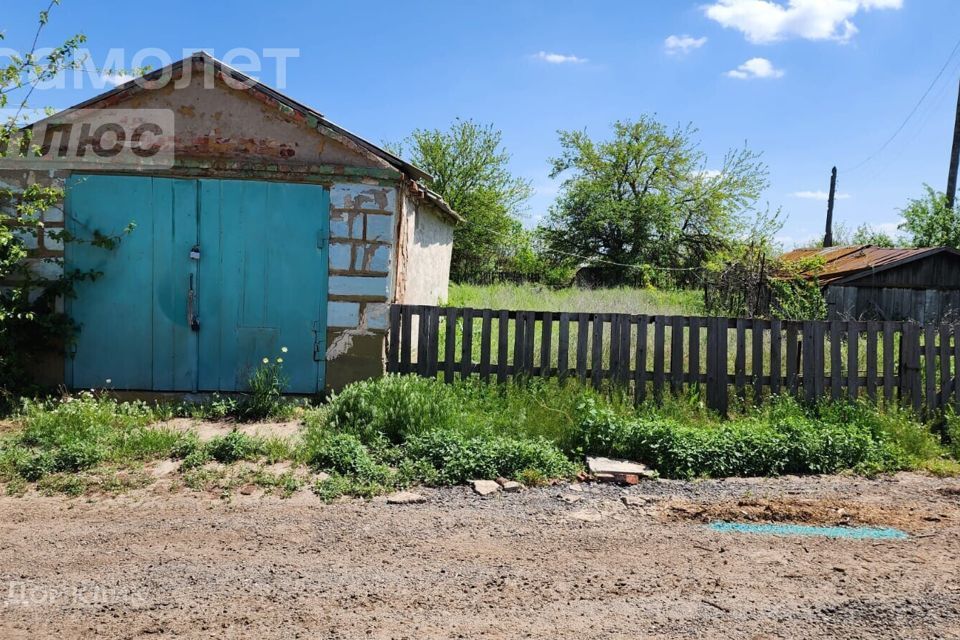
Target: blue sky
810, 83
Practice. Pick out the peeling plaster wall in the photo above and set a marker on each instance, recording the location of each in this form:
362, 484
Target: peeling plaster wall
428, 248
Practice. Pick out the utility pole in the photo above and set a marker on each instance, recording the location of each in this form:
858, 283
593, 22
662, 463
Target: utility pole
828, 234
954, 158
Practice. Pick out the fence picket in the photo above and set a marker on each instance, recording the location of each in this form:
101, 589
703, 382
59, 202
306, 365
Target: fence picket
676, 355
466, 352
889, 373
485, 346
836, 342
872, 329
756, 336
406, 330
930, 366
596, 364
853, 359
693, 350
793, 360
659, 329
503, 345
393, 344
563, 347
546, 339
640, 366
776, 338
450, 345
740, 363
583, 332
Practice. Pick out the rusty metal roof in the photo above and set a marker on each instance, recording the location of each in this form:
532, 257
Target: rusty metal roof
843, 262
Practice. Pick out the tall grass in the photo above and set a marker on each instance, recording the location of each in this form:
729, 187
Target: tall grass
539, 298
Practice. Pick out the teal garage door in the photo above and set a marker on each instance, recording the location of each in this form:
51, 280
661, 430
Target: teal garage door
215, 276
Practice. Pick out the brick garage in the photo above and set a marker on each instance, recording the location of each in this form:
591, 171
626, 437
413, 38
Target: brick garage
290, 209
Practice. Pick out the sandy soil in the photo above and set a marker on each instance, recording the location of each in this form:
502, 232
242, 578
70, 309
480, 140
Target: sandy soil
554, 563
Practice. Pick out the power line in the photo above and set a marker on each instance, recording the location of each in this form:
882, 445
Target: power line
910, 115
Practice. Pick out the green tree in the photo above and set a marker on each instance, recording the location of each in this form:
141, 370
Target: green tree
645, 199
865, 234
27, 308
470, 171
930, 222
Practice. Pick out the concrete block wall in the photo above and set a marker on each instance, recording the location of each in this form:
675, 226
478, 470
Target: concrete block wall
362, 231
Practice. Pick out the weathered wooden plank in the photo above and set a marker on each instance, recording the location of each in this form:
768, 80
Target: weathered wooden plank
756, 336
529, 341
563, 347
503, 344
930, 366
676, 355
423, 341
583, 332
836, 342
910, 365
485, 344
433, 329
872, 329
853, 360
546, 346
466, 343
793, 359
596, 364
640, 362
889, 372
406, 339
659, 329
776, 357
944, 366
693, 352
393, 346
450, 344
740, 361
625, 337
819, 360
722, 360
519, 326
614, 348
807, 361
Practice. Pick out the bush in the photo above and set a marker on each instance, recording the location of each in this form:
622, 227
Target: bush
394, 407
458, 458
233, 447
344, 454
786, 439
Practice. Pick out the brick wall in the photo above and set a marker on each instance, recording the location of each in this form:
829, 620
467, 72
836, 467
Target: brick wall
362, 223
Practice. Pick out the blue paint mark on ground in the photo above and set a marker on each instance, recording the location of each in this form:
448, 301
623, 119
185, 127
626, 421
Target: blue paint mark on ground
855, 533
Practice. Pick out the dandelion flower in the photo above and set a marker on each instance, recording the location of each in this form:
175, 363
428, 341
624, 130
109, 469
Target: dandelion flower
109, 381
279, 360
266, 360
283, 349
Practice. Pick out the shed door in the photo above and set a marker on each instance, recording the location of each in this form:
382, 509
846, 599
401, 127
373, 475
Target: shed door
263, 281
259, 284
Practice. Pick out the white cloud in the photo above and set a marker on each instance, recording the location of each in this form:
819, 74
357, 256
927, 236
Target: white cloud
818, 195
755, 68
683, 44
763, 21
558, 58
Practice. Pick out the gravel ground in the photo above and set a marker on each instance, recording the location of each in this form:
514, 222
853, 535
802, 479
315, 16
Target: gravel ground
162, 564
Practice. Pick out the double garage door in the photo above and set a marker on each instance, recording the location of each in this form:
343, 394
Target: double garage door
208, 278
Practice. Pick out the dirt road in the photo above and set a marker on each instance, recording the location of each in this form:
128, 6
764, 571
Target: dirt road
530, 565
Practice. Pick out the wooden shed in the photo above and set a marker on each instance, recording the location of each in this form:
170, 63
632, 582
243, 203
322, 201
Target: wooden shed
272, 232
866, 282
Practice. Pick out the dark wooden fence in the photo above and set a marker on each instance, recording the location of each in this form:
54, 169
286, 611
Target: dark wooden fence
649, 355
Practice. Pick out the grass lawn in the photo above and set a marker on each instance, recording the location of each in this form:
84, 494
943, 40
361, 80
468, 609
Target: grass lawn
538, 298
